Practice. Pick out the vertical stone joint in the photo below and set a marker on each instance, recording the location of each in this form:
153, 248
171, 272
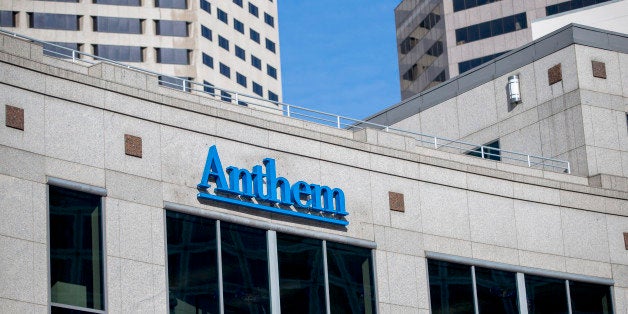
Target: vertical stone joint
133, 145
14, 117
626, 240
599, 69
555, 74
395, 201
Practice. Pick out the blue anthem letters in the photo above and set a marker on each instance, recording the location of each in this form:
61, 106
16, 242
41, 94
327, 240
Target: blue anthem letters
323, 203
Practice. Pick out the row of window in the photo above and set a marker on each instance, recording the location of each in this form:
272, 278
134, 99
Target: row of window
223, 16
570, 5
167, 4
226, 96
424, 62
427, 23
239, 26
460, 5
210, 263
458, 288
470, 64
492, 28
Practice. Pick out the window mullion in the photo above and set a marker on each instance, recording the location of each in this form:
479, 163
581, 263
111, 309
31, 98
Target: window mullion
273, 272
568, 296
521, 293
326, 272
221, 300
475, 291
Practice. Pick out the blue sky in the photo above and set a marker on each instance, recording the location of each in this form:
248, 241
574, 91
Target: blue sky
339, 56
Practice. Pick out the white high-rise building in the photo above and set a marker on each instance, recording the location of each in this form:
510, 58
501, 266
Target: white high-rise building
233, 45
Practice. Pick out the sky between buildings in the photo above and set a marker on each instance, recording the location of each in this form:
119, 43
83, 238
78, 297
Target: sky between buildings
339, 56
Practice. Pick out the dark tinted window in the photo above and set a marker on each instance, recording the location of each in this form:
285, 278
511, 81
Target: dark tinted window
470, 64
238, 26
241, 79
488, 151
208, 60
171, 4
76, 255
254, 35
257, 89
238, 2
497, 291
270, 45
173, 56
590, 298
119, 53
244, 269
54, 21
206, 6
256, 62
223, 16
134, 3
253, 9
117, 25
192, 264
208, 87
460, 5
570, 5
206, 32
491, 28
7, 18
451, 287
240, 53
225, 70
301, 274
269, 19
171, 28
272, 96
271, 71
224, 96
351, 281
180, 83
223, 43
546, 295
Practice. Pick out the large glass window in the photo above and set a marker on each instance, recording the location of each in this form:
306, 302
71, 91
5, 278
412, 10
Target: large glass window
76, 249
204, 254
173, 56
492, 28
192, 264
460, 5
545, 295
451, 287
497, 291
117, 25
7, 18
66, 22
301, 274
171, 28
244, 269
570, 5
120, 53
351, 285
171, 4
470, 64
590, 298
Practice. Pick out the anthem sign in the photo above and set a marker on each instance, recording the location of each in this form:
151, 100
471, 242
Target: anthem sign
261, 189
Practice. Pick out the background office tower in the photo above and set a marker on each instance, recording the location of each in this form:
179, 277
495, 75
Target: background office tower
439, 39
230, 44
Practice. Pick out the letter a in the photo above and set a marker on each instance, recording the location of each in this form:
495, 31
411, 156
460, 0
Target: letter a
213, 171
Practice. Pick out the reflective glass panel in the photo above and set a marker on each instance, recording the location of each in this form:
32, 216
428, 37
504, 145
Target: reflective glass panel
497, 291
172, 4
301, 277
546, 295
244, 269
117, 25
451, 287
76, 260
135, 3
192, 264
173, 56
7, 19
54, 21
119, 53
350, 273
590, 298
172, 28
60, 52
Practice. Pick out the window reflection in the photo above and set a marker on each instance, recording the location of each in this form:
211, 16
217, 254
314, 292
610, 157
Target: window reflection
546, 295
497, 291
351, 288
451, 287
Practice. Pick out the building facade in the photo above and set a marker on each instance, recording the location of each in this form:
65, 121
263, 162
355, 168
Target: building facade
439, 39
120, 195
230, 44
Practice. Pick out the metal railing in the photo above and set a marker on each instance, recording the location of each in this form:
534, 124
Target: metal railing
306, 114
